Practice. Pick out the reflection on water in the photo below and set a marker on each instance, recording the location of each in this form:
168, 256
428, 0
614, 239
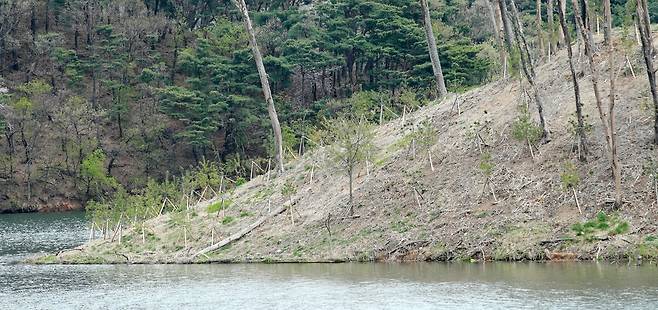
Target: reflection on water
312, 286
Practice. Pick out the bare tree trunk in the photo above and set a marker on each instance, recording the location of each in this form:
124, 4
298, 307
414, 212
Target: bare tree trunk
560, 36
434, 55
582, 146
495, 16
540, 32
265, 84
607, 117
507, 27
616, 169
351, 189
586, 36
644, 29
551, 28
528, 68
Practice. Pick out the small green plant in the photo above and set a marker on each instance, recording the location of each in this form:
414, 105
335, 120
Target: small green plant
227, 220
220, 205
525, 130
240, 181
287, 191
579, 134
245, 213
602, 225
486, 167
426, 135
570, 180
479, 133
353, 142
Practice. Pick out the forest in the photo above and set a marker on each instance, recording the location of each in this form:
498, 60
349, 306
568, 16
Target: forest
101, 99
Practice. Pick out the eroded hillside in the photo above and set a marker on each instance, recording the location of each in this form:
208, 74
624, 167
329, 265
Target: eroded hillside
406, 211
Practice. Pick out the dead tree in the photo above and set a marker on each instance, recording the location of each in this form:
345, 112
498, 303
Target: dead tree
616, 168
580, 130
265, 84
496, 24
540, 32
606, 115
434, 54
507, 27
551, 28
528, 67
644, 29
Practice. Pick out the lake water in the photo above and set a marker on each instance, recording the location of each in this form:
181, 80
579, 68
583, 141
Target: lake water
301, 286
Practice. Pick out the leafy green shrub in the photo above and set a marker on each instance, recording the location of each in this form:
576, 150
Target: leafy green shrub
525, 130
601, 225
240, 181
569, 176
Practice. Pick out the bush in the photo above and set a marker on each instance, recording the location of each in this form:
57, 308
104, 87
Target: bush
602, 224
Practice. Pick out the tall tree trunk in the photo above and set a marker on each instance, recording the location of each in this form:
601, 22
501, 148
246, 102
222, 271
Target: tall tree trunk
616, 168
528, 68
580, 131
551, 27
607, 117
644, 29
540, 31
507, 27
47, 16
495, 14
265, 84
560, 35
434, 55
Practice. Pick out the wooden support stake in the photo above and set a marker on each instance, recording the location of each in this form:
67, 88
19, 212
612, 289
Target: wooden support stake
312, 170
429, 152
628, 61
202, 194
576, 198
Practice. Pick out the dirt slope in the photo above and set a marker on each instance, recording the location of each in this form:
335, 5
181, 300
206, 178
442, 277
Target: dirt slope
405, 211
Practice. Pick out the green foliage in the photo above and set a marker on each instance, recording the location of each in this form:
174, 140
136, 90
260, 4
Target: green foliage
92, 170
227, 220
426, 135
574, 127
524, 129
486, 164
648, 249
220, 205
288, 189
353, 142
602, 225
569, 177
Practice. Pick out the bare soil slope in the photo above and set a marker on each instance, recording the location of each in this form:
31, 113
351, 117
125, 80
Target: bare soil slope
405, 211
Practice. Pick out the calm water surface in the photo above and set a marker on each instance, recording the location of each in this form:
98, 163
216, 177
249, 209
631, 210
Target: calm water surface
298, 286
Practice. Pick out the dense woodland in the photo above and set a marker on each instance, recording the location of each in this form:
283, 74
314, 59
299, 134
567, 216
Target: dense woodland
101, 99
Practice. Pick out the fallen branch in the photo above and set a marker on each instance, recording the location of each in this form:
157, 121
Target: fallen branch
241, 233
